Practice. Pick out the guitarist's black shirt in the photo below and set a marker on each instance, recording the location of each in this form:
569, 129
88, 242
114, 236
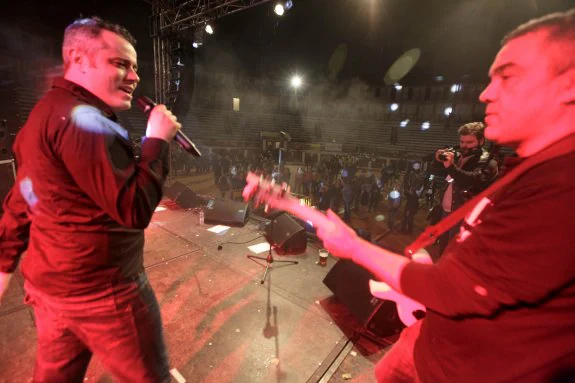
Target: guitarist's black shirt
503, 303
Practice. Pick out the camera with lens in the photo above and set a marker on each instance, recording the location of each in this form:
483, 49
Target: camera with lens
443, 157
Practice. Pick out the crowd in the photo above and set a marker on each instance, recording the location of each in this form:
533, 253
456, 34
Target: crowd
365, 184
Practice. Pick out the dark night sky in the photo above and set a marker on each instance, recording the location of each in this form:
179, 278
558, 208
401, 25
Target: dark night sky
456, 37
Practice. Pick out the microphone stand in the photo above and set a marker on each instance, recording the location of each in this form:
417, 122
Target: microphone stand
270, 258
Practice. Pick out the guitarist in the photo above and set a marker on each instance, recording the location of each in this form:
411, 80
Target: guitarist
501, 300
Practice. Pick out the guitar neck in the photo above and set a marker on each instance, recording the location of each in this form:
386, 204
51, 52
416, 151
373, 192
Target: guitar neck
317, 218
266, 192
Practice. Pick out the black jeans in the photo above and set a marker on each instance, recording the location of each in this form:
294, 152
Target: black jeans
446, 237
347, 211
121, 325
411, 206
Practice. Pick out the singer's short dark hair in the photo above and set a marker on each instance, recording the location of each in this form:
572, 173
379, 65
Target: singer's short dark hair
90, 28
560, 38
472, 128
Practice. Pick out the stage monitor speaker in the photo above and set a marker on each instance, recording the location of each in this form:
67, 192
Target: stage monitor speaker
288, 236
350, 285
174, 190
5, 141
8, 177
183, 196
227, 212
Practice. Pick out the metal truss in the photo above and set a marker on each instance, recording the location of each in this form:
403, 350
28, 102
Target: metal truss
168, 21
171, 16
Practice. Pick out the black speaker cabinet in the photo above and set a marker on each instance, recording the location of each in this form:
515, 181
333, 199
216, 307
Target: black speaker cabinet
350, 285
173, 191
183, 196
226, 212
288, 236
8, 177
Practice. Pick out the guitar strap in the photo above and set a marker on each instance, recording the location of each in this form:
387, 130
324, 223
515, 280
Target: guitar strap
432, 233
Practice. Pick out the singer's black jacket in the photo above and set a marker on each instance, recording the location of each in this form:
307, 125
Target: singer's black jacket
81, 200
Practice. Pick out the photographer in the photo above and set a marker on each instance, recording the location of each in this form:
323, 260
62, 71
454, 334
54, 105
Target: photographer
470, 169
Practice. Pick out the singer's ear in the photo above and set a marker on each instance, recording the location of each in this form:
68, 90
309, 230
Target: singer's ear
77, 58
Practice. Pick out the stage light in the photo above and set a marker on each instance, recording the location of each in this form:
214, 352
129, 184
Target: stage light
393, 107
279, 9
398, 86
296, 81
404, 123
447, 111
283, 6
425, 125
394, 194
209, 29
455, 88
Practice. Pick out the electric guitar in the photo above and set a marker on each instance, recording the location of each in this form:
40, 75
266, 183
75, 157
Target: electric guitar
274, 196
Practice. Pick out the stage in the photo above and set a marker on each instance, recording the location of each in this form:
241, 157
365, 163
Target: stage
220, 323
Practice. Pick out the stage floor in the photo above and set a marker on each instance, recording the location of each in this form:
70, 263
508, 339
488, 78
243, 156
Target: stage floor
220, 323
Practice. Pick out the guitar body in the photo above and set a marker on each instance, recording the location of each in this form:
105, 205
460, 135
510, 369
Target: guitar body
406, 307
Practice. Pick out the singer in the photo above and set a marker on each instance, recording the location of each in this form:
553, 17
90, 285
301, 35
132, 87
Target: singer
80, 206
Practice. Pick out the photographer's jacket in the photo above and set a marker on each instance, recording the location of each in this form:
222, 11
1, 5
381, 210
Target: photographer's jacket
476, 173
81, 201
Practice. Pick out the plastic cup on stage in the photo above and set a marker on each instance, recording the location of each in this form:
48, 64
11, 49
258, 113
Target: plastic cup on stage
323, 253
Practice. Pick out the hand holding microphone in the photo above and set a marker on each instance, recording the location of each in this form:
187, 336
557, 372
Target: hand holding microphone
164, 125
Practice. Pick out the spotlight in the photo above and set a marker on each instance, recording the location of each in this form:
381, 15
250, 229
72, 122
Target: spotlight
209, 29
398, 86
447, 111
279, 9
404, 123
455, 88
393, 107
296, 81
283, 6
425, 125
196, 44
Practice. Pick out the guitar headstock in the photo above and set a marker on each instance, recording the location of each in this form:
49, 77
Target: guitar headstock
262, 190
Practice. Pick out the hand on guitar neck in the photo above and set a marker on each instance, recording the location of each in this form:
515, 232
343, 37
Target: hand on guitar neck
330, 228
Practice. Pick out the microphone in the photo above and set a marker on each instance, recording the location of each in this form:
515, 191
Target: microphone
146, 105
